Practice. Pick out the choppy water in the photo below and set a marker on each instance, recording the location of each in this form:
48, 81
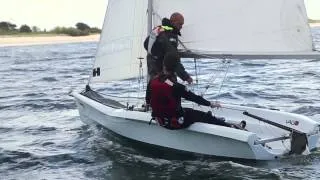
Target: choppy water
42, 137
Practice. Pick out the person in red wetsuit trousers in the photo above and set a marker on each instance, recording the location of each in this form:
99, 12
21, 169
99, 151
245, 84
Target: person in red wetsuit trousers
164, 95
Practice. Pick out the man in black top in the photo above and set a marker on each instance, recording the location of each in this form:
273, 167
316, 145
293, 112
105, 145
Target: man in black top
164, 95
164, 39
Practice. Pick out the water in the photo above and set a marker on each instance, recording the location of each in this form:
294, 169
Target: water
42, 136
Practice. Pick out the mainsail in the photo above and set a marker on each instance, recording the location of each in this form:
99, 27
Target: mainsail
242, 26
215, 28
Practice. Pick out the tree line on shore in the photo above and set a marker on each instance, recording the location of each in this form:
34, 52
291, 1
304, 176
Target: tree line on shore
80, 29
314, 21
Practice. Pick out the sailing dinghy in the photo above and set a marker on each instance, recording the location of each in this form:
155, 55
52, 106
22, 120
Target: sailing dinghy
214, 29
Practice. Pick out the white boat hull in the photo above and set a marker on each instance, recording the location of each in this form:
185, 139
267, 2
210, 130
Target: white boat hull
198, 138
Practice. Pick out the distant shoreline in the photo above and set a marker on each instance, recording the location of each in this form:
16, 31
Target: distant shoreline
16, 40
24, 40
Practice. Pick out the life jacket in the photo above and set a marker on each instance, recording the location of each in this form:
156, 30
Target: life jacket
164, 104
154, 34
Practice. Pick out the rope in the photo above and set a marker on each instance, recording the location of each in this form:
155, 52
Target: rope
214, 78
196, 71
224, 78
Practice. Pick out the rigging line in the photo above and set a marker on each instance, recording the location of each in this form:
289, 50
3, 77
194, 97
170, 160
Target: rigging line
224, 78
196, 70
183, 45
208, 56
196, 84
129, 98
214, 78
141, 84
140, 77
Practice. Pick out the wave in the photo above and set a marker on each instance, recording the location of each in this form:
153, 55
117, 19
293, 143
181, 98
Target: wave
16, 160
23, 69
5, 129
12, 156
253, 64
39, 106
39, 94
48, 79
36, 130
246, 94
226, 95
307, 110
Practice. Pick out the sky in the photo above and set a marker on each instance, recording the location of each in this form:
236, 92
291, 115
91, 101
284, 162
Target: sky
313, 8
51, 13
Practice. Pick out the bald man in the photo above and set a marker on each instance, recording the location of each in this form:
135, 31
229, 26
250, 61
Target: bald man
177, 20
164, 39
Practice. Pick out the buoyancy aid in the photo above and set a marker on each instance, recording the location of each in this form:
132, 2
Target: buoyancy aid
164, 104
154, 34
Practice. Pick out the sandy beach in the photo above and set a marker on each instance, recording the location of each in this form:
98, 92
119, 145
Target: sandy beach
37, 40
314, 24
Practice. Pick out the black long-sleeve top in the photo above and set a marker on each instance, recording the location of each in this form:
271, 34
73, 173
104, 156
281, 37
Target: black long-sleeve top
167, 41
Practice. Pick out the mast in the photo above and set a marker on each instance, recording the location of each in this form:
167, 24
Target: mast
149, 27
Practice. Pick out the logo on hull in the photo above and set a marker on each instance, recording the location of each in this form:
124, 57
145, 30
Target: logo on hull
292, 122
